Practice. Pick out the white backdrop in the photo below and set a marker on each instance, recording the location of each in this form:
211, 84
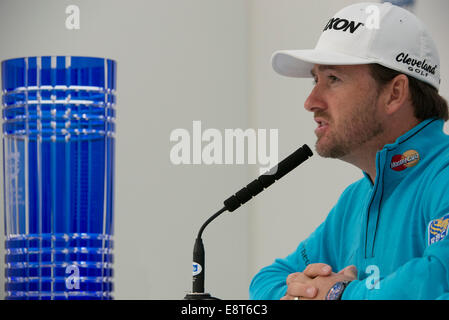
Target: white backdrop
208, 60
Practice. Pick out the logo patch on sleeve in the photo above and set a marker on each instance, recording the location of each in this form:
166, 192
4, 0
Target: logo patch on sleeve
437, 229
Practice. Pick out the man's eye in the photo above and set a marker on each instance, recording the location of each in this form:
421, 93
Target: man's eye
333, 78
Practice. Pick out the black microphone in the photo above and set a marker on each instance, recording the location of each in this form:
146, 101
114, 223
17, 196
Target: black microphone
234, 202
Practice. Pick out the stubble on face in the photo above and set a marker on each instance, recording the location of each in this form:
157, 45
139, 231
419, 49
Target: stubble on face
356, 128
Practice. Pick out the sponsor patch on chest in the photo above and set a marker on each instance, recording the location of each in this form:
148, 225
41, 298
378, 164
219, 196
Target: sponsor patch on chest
437, 229
406, 160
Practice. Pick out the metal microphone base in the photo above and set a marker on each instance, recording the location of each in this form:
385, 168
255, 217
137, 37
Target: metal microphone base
199, 296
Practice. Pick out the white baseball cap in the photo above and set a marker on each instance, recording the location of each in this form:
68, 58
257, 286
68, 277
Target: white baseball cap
365, 33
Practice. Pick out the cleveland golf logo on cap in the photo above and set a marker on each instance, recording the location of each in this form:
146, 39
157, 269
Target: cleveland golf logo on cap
420, 66
406, 160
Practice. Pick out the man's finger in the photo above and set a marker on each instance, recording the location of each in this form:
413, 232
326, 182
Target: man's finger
297, 289
293, 277
349, 271
317, 269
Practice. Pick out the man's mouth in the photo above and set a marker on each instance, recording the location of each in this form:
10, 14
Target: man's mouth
322, 126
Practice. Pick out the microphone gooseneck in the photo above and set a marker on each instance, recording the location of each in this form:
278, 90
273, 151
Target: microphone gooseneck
199, 257
234, 202
267, 179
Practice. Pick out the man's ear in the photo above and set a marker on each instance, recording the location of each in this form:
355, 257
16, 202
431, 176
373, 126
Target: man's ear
396, 93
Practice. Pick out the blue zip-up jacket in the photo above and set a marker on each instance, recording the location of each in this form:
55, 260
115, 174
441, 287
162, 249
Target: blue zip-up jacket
394, 231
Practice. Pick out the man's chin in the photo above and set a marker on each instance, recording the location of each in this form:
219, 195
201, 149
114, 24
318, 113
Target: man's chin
329, 151
322, 150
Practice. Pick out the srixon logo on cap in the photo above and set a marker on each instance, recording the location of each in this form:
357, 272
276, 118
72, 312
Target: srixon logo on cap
342, 24
406, 160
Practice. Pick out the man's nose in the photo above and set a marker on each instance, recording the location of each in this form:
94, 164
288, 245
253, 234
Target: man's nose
315, 100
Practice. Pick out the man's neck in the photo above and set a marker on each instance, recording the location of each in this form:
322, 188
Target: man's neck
364, 157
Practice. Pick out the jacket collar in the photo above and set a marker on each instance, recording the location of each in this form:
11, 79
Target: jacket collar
411, 137
406, 154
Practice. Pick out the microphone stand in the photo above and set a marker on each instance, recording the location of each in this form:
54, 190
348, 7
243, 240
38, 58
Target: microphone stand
234, 202
198, 262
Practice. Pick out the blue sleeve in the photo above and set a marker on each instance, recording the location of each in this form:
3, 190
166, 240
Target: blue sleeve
444, 297
322, 246
425, 277
270, 282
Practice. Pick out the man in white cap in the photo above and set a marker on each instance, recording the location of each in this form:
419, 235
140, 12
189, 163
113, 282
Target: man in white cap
377, 106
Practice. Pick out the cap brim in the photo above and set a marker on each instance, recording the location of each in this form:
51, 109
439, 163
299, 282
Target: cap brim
299, 63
